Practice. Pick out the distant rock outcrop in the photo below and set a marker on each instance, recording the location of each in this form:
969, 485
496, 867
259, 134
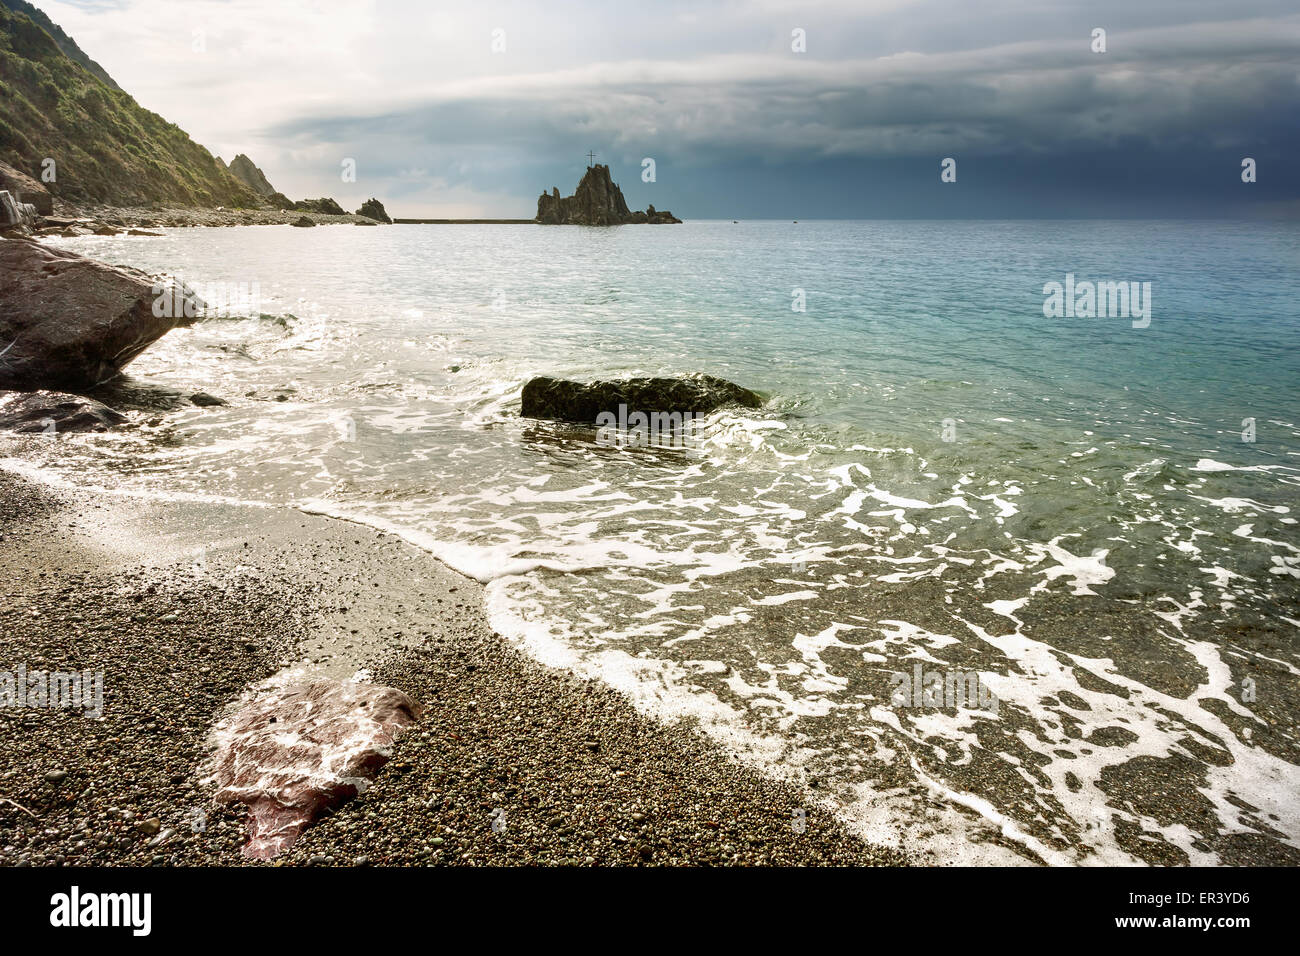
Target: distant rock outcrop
374, 209
243, 169
324, 205
597, 202
584, 402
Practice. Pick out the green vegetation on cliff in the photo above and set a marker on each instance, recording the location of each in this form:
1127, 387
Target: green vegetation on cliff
106, 147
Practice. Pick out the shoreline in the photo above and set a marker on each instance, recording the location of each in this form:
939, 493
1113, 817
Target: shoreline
143, 217
187, 604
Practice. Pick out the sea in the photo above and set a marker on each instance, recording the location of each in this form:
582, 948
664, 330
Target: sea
1006, 568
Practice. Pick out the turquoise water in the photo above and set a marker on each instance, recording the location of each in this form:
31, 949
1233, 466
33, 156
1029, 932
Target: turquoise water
942, 476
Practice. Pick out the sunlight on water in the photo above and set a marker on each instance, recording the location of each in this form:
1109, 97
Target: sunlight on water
943, 480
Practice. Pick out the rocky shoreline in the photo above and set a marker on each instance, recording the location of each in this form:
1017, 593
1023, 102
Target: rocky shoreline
91, 217
186, 605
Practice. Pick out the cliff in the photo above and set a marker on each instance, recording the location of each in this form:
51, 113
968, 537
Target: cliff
56, 102
64, 42
597, 202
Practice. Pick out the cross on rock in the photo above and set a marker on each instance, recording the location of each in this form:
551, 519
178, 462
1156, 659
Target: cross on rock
591, 158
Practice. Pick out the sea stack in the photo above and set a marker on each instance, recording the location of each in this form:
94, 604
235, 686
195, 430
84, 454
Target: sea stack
597, 202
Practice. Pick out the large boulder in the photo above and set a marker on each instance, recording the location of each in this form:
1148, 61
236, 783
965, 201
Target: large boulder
15, 215
300, 750
54, 413
26, 189
583, 403
68, 322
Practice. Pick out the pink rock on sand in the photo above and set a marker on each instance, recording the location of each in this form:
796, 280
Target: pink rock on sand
301, 749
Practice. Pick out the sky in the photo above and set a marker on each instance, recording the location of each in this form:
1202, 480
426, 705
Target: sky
457, 109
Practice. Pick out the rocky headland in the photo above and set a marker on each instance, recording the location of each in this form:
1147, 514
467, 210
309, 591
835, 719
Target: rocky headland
91, 160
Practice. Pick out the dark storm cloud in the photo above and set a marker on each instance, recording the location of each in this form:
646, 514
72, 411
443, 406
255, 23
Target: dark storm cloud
740, 124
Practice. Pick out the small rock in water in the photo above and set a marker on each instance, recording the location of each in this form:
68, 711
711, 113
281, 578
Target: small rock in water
586, 402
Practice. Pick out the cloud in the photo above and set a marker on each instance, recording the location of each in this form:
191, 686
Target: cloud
299, 85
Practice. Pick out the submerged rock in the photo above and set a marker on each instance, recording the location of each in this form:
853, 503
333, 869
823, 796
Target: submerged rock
68, 322
55, 413
302, 749
568, 401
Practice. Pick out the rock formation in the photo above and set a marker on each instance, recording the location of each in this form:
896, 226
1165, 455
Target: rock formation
54, 413
26, 189
374, 209
324, 205
597, 202
243, 169
578, 402
302, 749
15, 214
68, 322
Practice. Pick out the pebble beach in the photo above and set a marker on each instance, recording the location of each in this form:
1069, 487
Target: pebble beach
186, 605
